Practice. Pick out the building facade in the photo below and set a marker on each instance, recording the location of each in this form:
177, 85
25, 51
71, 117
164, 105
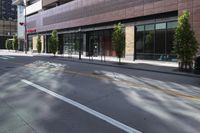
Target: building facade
32, 7
149, 25
8, 24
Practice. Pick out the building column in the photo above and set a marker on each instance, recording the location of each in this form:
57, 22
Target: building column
42, 44
34, 43
130, 42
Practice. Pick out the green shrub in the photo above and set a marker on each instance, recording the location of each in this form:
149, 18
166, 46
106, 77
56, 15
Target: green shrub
118, 38
8, 44
185, 43
53, 41
15, 43
39, 44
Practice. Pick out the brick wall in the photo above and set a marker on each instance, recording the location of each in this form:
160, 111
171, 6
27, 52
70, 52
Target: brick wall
86, 12
193, 6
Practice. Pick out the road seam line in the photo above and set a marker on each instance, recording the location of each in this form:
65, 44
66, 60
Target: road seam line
21, 118
84, 108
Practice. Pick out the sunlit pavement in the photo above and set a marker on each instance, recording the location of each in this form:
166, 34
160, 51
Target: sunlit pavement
149, 102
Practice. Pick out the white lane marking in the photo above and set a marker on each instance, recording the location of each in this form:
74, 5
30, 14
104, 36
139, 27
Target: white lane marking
84, 108
4, 58
7, 56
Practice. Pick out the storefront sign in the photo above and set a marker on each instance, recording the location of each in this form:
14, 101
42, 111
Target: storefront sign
31, 30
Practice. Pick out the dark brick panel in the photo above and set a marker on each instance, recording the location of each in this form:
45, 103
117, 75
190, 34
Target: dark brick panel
95, 9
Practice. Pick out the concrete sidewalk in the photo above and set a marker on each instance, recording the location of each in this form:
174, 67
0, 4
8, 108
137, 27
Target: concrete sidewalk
14, 53
142, 65
137, 65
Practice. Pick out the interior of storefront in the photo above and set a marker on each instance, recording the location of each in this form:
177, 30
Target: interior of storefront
155, 41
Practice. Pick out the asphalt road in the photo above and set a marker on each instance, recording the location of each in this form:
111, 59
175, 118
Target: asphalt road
48, 95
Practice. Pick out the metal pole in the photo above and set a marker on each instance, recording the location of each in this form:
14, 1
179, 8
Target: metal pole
80, 44
25, 27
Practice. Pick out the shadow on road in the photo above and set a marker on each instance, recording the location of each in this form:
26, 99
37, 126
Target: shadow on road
127, 96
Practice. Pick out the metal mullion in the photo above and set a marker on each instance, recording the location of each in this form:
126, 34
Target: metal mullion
166, 30
154, 50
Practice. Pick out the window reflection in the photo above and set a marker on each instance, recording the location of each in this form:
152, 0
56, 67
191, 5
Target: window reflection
160, 45
149, 41
140, 39
72, 43
155, 41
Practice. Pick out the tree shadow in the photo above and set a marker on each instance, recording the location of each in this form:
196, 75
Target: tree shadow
136, 99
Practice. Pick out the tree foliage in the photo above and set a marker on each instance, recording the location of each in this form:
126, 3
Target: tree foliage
39, 44
118, 38
148, 40
54, 42
8, 44
15, 43
185, 43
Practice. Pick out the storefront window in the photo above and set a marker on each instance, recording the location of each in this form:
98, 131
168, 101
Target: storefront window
160, 45
72, 43
140, 40
171, 26
155, 41
149, 41
99, 43
30, 43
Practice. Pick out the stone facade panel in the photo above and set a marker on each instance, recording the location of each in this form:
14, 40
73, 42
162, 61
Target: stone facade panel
130, 42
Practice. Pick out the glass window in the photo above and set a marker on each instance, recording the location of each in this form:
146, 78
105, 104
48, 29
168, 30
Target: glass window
149, 41
149, 27
172, 25
160, 26
139, 40
170, 38
155, 41
160, 45
140, 28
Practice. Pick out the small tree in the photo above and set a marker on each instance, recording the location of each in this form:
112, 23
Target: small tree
9, 44
118, 38
15, 43
185, 43
148, 41
77, 45
6, 44
39, 44
54, 42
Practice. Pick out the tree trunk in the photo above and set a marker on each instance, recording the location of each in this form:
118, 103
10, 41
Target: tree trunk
119, 60
185, 66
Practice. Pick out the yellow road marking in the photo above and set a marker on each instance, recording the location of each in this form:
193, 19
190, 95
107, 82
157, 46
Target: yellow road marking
131, 84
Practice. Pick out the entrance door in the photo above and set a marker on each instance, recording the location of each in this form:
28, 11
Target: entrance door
93, 48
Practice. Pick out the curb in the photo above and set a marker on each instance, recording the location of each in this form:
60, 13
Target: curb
94, 62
